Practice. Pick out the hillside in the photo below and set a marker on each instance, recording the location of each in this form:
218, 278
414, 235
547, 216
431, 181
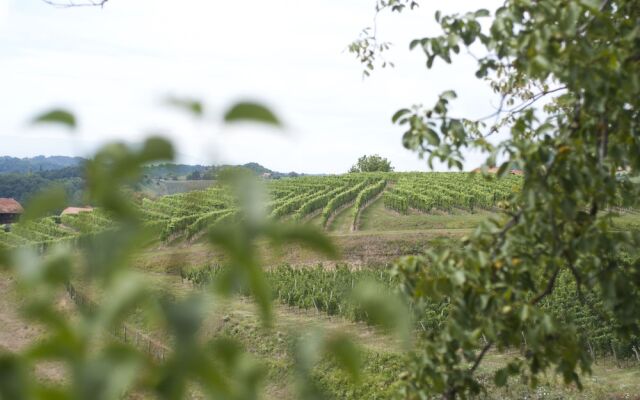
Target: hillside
22, 178
35, 164
372, 218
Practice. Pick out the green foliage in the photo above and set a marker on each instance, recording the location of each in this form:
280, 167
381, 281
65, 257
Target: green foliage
595, 326
582, 56
364, 197
192, 106
316, 288
342, 199
446, 191
99, 367
24, 186
47, 203
251, 111
373, 163
57, 116
37, 164
395, 202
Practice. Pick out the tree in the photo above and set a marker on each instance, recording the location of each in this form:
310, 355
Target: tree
583, 58
195, 175
373, 163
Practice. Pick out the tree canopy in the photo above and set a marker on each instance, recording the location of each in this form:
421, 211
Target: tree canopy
373, 163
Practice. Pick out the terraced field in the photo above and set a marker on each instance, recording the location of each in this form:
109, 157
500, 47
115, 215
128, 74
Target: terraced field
337, 203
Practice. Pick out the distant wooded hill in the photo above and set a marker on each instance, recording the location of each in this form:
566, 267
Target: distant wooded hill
22, 186
36, 164
21, 178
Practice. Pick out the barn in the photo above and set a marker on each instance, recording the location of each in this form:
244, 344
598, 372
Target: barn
10, 210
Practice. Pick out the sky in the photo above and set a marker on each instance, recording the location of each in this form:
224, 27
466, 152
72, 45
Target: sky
114, 66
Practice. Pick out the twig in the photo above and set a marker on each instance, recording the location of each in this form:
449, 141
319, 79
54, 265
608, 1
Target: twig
476, 364
70, 3
548, 289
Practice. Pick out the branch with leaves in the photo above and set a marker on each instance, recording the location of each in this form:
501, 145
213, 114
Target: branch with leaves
571, 154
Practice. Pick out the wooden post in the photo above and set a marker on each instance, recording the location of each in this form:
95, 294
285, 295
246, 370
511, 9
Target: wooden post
636, 351
593, 354
615, 356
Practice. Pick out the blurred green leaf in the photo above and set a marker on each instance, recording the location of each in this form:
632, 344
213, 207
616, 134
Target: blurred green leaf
384, 309
56, 116
184, 317
109, 375
13, 382
127, 291
313, 237
226, 350
501, 377
51, 201
192, 106
156, 149
251, 112
346, 354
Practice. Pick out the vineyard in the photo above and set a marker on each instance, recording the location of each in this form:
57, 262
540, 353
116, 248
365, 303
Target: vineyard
325, 292
188, 215
330, 291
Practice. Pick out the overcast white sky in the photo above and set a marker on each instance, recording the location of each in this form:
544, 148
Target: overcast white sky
113, 66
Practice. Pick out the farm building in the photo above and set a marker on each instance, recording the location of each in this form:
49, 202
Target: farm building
10, 210
76, 210
495, 170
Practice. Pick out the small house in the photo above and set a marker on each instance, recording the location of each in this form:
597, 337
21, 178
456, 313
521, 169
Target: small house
10, 210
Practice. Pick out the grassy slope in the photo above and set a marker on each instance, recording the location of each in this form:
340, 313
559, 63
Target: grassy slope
606, 382
342, 222
384, 235
376, 218
628, 220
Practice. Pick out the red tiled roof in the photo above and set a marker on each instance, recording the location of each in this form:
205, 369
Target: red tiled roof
494, 170
10, 206
76, 210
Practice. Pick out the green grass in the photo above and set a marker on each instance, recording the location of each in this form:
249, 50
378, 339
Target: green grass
378, 218
606, 382
342, 221
627, 221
